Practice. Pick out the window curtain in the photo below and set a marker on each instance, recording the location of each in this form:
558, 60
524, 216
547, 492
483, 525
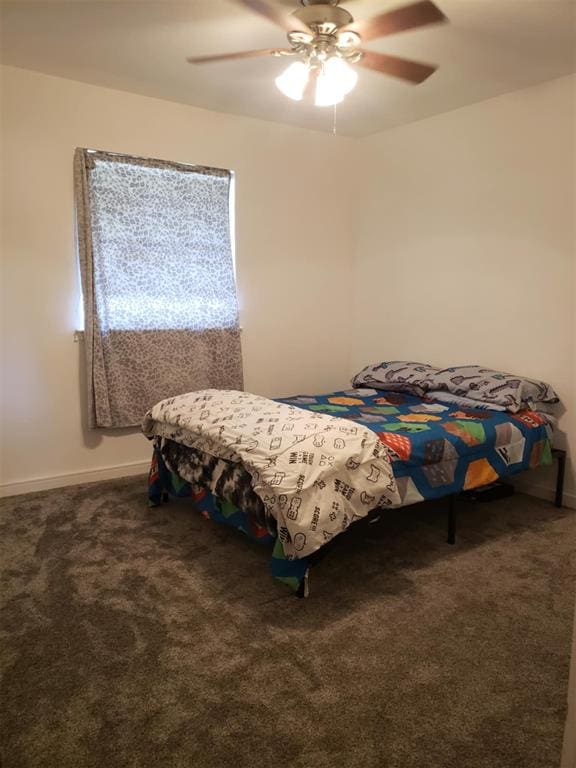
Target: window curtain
160, 305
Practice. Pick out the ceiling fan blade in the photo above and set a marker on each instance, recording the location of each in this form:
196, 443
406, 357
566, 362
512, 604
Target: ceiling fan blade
239, 55
419, 14
413, 71
285, 20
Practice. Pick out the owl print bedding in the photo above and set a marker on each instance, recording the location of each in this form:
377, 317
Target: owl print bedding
298, 471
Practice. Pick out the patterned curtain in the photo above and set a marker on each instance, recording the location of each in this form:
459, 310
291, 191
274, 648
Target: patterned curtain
160, 305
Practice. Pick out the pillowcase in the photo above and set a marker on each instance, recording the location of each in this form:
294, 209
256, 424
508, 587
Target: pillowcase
488, 386
442, 396
396, 376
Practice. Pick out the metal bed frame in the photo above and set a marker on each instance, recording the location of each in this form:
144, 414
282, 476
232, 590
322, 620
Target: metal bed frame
557, 453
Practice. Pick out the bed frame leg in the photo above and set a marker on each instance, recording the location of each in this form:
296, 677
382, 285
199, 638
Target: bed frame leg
561, 457
452, 519
303, 590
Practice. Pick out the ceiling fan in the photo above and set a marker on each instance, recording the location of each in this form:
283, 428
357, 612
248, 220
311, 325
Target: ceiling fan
327, 40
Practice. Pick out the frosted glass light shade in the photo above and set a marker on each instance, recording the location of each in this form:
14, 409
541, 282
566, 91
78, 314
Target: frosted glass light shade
343, 72
293, 80
336, 79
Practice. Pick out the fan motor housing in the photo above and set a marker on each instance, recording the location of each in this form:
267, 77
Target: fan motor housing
323, 17
319, 2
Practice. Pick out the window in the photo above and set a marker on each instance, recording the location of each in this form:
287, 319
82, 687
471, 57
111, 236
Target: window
162, 237
158, 281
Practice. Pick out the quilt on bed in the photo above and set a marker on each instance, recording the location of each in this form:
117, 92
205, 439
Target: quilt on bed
439, 449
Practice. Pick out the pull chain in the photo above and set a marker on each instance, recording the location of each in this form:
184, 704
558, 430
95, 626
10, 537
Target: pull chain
334, 122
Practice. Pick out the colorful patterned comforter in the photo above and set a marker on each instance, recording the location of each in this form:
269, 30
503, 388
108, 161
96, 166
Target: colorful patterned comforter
439, 449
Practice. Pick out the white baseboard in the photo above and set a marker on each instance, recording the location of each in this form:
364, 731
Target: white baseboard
74, 478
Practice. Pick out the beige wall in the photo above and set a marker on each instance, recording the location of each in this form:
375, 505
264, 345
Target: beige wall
466, 248
293, 255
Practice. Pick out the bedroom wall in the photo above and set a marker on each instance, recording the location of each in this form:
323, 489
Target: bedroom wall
466, 245
294, 241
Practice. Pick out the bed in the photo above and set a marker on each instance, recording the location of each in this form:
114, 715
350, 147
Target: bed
434, 449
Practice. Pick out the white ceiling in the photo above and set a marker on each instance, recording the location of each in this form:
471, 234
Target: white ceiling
490, 47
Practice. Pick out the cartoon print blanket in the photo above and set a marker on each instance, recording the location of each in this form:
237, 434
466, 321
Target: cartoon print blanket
316, 474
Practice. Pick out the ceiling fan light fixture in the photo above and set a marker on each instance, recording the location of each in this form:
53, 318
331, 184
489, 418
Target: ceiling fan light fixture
349, 39
294, 80
336, 79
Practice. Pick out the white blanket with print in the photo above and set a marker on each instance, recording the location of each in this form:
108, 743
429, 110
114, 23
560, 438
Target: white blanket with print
316, 474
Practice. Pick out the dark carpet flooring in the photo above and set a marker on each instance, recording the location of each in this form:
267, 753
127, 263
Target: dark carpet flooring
140, 638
